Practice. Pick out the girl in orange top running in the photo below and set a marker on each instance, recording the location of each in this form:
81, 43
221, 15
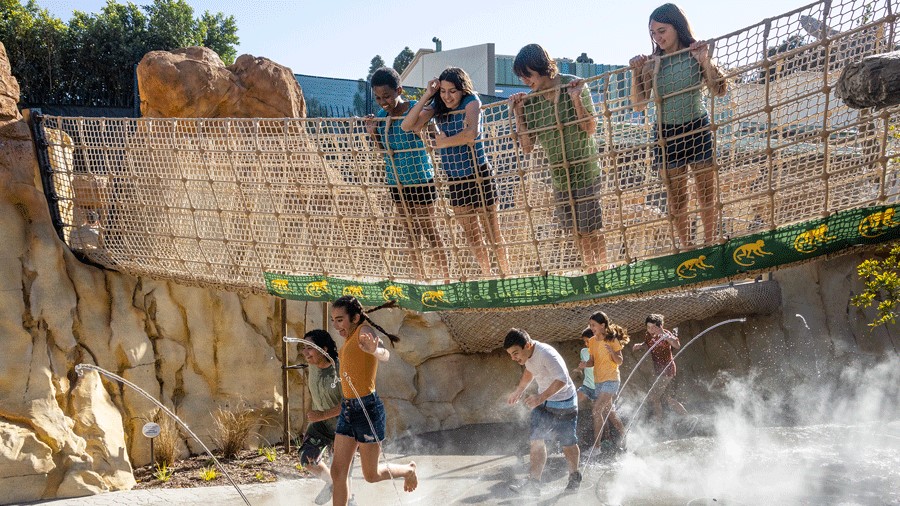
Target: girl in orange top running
362, 421
606, 356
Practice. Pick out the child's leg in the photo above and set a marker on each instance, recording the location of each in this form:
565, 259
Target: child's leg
601, 409
677, 201
369, 453
472, 229
426, 220
492, 225
705, 182
538, 459
344, 448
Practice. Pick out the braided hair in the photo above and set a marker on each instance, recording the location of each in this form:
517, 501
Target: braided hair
352, 306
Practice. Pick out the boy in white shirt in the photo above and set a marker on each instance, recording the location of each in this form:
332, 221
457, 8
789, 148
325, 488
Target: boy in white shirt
554, 411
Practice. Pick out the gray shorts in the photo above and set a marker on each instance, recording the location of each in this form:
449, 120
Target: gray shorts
588, 215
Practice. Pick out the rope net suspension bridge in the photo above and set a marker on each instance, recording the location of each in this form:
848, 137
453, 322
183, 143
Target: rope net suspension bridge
546, 206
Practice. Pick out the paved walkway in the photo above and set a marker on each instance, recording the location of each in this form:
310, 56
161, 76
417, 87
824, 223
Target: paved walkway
474, 465
443, 479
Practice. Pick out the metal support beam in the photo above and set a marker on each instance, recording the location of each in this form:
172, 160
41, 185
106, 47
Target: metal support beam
281, 321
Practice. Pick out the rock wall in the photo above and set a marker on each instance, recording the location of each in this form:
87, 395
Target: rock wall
197, 349
46, 450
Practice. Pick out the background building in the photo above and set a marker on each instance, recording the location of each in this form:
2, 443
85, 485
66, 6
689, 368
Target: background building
492, 74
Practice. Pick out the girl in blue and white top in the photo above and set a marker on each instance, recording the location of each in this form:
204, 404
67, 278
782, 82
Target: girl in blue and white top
675, 72
453, 104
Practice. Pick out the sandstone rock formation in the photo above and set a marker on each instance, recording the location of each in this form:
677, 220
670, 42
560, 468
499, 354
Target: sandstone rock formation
44, 451
194, 83
198, 349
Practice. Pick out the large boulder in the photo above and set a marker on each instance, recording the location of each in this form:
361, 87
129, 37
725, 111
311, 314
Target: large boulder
194, 83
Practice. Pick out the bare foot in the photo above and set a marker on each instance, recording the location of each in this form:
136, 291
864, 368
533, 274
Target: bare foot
411, 481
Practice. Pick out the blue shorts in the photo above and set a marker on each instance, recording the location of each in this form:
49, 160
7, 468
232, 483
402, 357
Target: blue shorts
554, 424
589, 392
608, 387
352, 421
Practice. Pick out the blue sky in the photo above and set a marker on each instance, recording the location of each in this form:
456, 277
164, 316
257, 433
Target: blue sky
338, 38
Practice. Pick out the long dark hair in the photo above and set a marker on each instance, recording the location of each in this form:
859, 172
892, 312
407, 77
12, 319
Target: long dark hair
323, 340
461, 81
613, 331
352, 306
671, 14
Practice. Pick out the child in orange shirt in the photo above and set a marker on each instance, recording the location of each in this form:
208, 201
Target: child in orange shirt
606, 357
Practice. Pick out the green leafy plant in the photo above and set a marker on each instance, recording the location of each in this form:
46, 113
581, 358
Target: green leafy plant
881, 278
163, 472
208, 474
261, 477
269, 452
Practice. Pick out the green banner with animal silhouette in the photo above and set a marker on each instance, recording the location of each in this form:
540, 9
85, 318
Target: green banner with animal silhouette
759, 252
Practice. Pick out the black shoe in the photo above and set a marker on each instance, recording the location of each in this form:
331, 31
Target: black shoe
574, 481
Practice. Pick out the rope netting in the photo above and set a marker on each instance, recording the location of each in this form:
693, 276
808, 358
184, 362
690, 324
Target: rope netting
481, 332
568, 181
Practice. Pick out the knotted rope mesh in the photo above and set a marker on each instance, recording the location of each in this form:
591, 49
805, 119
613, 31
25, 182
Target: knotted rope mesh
575, 180
480, 332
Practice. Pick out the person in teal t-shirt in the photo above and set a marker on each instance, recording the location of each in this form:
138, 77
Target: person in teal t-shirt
408, 168
559, 114
675, 70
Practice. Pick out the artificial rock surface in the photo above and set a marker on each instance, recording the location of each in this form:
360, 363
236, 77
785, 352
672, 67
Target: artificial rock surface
194, 83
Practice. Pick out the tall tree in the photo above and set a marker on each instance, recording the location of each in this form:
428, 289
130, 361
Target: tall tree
376, 63
403, 59
219, 33
35, 44
172, 24
91, 60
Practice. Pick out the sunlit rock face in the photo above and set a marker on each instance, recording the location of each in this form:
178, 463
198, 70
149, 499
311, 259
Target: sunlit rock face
198, 349
194, 83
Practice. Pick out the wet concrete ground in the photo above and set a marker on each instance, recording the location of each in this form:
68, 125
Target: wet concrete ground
474, 465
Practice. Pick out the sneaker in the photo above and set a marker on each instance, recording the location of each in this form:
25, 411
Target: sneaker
325, 495
574, 481
528, 488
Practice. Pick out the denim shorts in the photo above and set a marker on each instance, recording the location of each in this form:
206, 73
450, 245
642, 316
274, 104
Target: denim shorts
352, 421
588, 391
687, 143
608, 387
554, 424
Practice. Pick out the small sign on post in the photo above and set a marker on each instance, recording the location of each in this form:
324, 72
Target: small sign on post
151, 430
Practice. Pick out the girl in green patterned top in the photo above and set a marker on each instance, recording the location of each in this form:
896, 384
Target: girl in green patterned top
676, 76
